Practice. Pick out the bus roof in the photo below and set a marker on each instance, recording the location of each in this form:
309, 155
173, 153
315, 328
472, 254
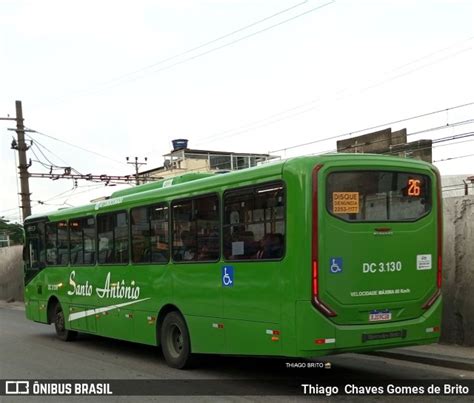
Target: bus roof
191, 182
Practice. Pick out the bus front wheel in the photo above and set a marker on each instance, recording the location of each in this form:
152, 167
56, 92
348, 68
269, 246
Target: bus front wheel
175, 341
60, 325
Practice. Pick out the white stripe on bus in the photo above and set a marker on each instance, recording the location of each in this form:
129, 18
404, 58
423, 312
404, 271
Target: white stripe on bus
89, 312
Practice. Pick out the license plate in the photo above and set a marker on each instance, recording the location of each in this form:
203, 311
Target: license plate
384, 335
376, 316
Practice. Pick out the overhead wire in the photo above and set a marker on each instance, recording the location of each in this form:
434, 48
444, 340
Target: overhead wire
251, 126
454, 158
190, 58
436, 141
132, 76
210, 42
78, 147
349, 134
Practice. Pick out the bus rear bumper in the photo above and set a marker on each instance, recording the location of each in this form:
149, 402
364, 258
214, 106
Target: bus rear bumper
322, 337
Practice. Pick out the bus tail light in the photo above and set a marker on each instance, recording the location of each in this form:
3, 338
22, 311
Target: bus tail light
439, 261
318, 304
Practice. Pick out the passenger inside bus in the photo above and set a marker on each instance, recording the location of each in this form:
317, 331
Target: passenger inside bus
271, 246
188, 249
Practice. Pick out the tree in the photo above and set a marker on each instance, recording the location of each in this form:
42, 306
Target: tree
14, 230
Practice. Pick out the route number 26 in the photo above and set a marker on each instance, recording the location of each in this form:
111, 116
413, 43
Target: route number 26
414, 187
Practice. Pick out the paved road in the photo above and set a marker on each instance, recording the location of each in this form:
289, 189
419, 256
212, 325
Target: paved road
30, 350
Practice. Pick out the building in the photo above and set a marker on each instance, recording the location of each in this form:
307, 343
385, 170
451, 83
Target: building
183, 159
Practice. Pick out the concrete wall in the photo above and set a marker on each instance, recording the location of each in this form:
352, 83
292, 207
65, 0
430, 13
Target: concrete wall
11, 273
458, 272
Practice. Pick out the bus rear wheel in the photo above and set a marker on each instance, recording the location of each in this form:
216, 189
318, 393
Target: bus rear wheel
175, 341
60, 325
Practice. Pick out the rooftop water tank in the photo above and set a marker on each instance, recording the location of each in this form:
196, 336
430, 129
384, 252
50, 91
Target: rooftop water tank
178, 144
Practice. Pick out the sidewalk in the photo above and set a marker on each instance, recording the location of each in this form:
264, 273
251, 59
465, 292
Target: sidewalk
441, 355
16, 305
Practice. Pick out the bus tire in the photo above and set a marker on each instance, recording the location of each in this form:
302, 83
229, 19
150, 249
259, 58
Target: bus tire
60, 325
175, 341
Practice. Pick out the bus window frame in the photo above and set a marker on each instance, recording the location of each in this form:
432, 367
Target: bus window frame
168, 205
277, 182
97, 237
219, 215
344, 170
41, 263
56, 224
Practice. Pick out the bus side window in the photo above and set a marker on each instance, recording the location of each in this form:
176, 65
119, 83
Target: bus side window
63, 244
35, 251
112, 237
51, 243
159, 233
196, 229
82, 241
150, 234
254, 222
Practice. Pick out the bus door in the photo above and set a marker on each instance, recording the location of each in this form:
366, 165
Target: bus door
34, 258
196, 285
377, 243
254, 239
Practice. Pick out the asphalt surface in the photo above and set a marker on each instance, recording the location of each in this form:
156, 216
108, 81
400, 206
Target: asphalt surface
30, 350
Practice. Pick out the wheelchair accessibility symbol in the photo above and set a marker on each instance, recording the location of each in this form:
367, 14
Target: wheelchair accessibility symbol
335, 265
228, 276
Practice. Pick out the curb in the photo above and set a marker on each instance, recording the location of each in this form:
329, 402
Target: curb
438, 360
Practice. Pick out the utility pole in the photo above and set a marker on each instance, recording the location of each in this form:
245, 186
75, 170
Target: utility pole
137, 165
23, 167
21, 147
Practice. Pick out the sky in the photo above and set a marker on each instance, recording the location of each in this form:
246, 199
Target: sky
124, 78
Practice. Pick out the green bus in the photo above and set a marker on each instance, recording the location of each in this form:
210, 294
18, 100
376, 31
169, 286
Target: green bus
300, 258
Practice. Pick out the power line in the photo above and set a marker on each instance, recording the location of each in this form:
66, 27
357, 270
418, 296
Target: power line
132, 76
10, 209
349, 134
251, 128
452, 190
441, 140
52, 165
188, 59
446, 126
76, 146
435, 52
449, 138
38, 144
202, 45
455, 158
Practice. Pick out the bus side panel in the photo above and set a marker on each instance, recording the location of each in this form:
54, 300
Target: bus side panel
32, 310
295, 268
256, 338
144, 323
85, 324
207, 334
43, 311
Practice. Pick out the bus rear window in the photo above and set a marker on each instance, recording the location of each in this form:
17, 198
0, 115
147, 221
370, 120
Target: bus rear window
378, 196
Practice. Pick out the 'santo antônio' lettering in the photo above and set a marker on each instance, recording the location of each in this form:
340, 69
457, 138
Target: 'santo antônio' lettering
118, 290
110, 290
79, 289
